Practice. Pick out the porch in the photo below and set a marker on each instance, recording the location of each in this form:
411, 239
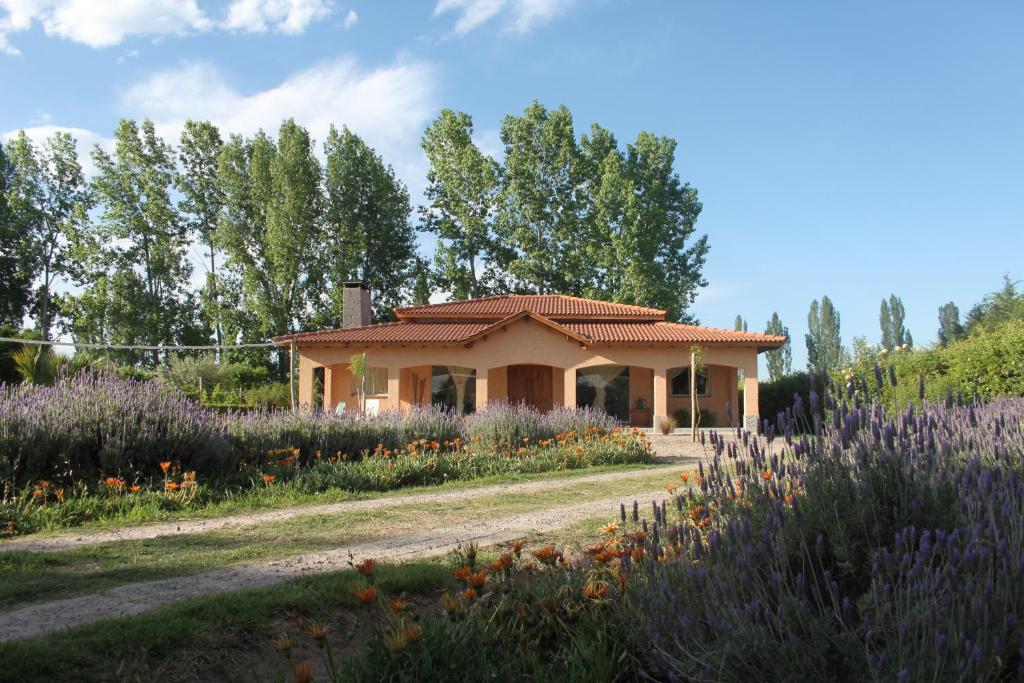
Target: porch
633, 394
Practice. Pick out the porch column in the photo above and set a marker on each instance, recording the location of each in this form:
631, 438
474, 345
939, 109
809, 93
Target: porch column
306, 382
660, 394
569, 390
734, 396
394, 388
750, 397
329, 380
481, 389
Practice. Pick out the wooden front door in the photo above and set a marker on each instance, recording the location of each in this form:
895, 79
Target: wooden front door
530, 384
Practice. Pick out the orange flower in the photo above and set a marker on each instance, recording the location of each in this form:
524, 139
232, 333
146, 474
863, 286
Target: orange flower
135, 488
789, 498
478, 580
517, 546
269, 478
468, 594
671, 488
303, 672
318, 631
165, 465
59, 493
610, 529
520, 609
766, 475
367, 595
685, 476
462, 573
412, 632
398, 605
450, 603
367, 567
547, 555
504, 562
595, 590
171, 486
283, 642
396, 642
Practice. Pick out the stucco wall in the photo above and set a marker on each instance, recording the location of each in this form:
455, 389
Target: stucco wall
529, 342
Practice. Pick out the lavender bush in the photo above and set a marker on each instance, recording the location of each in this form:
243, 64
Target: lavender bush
503, 425
99, 423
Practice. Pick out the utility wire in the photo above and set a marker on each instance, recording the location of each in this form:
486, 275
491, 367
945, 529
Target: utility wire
127, 347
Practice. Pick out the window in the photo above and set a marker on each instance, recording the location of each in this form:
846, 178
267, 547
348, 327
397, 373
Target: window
454, 388
376, 382
605, 387
680, 382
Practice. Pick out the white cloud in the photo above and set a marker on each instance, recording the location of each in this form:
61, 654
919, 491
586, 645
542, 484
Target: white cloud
351, 19
388, 107
101, 23
521, 16
287, 16
104, 23
86, 139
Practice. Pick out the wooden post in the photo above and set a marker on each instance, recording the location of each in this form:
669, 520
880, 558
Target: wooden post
291, 372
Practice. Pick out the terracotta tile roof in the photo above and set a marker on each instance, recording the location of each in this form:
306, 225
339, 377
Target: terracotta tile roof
553, 306
390, 333
668, 333
589, 333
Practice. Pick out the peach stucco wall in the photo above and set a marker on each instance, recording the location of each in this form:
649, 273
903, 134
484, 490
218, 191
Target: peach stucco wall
529, 342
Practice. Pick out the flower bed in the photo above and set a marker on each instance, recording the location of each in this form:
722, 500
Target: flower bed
879, 547
98, 447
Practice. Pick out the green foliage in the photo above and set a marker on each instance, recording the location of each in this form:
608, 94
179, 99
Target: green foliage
741, 324
37, 364
825, 351
996, 308
16, 268
891, 316
780, 360
462, 195
950, 328
368, 236
779, 394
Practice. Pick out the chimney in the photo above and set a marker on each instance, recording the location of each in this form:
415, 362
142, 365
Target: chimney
355, 310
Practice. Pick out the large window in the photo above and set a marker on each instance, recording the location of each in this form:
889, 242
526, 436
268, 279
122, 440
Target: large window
680, 382
453, 387
376, 382
605, 387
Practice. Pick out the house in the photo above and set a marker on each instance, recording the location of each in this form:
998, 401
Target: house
545, 350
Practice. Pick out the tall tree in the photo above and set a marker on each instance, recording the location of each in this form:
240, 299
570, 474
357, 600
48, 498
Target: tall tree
421, 284
1006, 303
462, 194
271, 231
50, 198
16, 269
825, 351
950, 328
890, 318
135, 267
201, 204
741, 324
367, 219
539, 222
780, 360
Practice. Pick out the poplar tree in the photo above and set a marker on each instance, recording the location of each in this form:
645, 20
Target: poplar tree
780, 360
369, 237
891, 317
136, 273
462, 195
15, 262
825, 351
201, 203
271, 232
950, 328
741, 324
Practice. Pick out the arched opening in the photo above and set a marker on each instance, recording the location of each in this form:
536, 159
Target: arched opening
605, 387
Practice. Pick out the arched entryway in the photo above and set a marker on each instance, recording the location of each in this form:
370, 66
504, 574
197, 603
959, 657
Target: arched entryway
532, 385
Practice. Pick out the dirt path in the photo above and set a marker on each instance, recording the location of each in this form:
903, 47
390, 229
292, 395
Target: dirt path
41, 618
74, 539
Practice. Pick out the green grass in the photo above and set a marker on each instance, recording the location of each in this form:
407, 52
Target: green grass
155, 507
203, 634
27, 577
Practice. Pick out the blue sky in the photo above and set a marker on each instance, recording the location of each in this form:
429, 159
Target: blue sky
845, 148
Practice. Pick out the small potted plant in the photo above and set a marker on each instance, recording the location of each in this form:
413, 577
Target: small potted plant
640, 415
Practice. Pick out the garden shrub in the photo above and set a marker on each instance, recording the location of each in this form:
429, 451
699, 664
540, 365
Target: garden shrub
502, 425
